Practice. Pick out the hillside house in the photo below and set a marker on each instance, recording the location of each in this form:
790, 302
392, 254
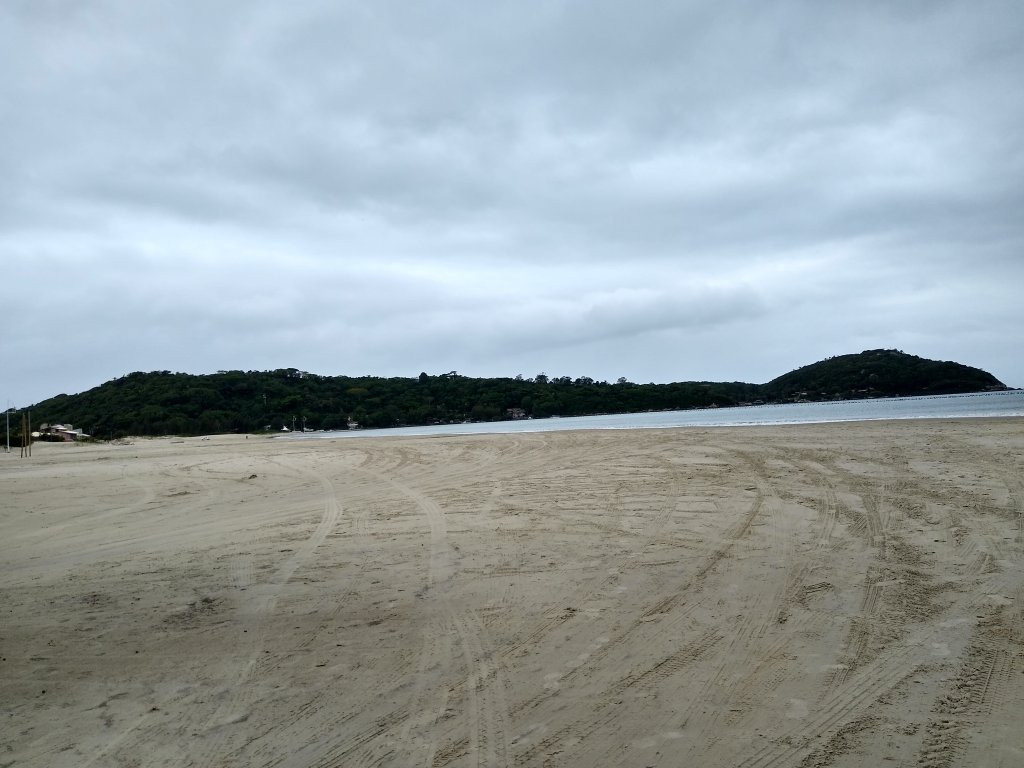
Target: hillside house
65, 432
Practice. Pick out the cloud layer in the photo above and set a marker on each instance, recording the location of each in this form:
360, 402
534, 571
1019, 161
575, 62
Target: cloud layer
663, 192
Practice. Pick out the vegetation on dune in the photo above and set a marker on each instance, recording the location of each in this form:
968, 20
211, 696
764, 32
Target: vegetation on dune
166, 403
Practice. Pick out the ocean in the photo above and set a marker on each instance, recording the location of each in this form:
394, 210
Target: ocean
975, 405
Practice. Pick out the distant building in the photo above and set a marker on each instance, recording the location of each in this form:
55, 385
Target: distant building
65, 432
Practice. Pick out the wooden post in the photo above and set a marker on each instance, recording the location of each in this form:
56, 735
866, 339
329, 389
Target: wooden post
26, 434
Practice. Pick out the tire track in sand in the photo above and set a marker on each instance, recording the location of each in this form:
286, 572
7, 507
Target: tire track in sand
667, 623
408, 733
979, 683
133, 737
485, 683
841, 705
877, 522
261, 604
310, 724
751, 662
844, 705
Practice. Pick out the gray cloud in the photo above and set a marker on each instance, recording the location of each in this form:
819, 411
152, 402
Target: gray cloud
676, 191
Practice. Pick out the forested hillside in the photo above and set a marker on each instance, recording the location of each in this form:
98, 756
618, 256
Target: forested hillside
166, 403
877, 373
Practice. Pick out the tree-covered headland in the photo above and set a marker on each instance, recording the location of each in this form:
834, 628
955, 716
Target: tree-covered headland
166, 403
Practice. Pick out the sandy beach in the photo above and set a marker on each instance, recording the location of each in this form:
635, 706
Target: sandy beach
823, 595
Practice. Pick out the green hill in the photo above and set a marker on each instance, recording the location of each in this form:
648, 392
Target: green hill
166, 403
877, 373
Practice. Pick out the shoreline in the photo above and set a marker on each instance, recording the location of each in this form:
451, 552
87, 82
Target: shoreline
392, 432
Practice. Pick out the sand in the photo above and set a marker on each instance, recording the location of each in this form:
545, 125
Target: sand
823, 595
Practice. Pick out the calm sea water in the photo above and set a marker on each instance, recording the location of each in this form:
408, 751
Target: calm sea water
980, 404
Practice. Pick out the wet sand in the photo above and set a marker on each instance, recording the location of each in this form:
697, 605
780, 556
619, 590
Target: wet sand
822, 595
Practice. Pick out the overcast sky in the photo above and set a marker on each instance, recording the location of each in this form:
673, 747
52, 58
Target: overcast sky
663, 191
